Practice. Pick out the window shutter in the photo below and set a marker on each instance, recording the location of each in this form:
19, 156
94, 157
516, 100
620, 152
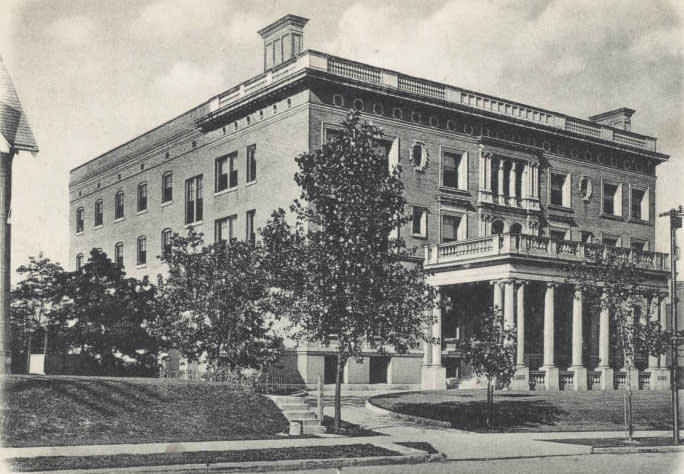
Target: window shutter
567, 194
617, 201
646, 205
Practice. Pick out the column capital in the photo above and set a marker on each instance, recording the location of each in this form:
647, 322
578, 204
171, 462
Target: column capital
552, 284
578, 293
521, 283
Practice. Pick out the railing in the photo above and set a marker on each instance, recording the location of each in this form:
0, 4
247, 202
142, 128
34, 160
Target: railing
419, 86
537, 246
644, 380
481, 101
537, 377
593, 379
567, 379
583, 128
625, 139
354, 70
619, 379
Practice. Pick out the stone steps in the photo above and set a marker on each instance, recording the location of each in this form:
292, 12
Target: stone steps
302, 418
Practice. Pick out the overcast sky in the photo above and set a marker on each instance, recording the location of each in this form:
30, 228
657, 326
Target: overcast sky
93, 74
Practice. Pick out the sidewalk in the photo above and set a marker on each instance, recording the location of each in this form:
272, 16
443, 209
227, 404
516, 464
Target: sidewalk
455, 444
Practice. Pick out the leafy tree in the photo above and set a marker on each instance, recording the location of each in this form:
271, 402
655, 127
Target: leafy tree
35, 302
216, 302
619, 284
107, 317
491, 352
344, 278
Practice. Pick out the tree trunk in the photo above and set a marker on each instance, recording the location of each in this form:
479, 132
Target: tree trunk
45, 347
28, 353
338, 390
628, 404
490, 400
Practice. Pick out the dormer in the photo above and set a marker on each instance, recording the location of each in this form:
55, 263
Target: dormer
283, 39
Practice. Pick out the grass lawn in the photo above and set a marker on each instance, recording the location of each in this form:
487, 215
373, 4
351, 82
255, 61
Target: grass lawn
535, 411
198, 457
50, 411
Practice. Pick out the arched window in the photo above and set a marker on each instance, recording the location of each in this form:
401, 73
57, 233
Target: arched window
79, 261
497, 227
118, 254
516, 229
119, 205
142, 197
98, 213
142, 250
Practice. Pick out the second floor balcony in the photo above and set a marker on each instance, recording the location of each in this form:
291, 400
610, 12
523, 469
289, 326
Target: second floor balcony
532, 246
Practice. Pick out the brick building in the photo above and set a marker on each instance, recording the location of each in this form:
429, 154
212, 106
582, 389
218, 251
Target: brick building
502, 195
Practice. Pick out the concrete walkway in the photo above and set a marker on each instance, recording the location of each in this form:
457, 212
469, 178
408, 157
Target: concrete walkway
455, 444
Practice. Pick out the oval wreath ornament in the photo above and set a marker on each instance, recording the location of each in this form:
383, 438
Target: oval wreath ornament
420, 156
585, 187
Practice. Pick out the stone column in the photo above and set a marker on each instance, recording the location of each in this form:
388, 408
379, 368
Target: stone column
427, 347
434, 375
483, 171
552, 373
500, 176
509, 304
580, 377
512, 197
604, 350
488, 171
521, 379
524, 184
497, 299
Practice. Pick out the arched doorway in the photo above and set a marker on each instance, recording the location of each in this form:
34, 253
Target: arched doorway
497, 227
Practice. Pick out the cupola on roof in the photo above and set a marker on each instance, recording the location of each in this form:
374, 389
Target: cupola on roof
283, 39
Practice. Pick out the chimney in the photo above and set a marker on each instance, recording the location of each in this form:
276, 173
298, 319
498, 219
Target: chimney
618, 118
283, 40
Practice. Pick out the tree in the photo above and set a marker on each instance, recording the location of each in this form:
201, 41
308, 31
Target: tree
345, 278
35, 302
108, 315
619, 283
215, 301
491, 352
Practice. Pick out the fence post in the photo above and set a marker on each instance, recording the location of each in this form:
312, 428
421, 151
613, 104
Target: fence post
320, 400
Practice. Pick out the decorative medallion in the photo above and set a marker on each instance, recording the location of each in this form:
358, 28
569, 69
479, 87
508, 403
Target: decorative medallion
420, 156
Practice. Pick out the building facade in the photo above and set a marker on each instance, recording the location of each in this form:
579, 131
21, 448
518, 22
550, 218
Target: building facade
502, 195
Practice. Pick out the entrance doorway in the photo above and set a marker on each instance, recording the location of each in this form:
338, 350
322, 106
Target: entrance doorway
378, 369
329, 369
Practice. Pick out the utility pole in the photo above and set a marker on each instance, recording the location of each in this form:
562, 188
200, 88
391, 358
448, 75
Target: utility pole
675, 223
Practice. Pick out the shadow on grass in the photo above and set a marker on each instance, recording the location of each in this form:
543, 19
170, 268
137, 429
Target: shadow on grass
348, 429
470, 416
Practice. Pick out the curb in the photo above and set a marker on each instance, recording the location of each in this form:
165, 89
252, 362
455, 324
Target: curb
264, 466
400, 416
637, 449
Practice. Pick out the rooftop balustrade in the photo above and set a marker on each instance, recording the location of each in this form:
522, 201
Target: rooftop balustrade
365, 73
535, 246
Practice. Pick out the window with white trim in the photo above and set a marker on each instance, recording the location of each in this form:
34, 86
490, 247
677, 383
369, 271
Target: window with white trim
79, 261
99, 213
250, 234
419, 222
251, 163
166, 240
224, 229
455, 170
639, 204
118, 254
141, 258
167, 187
559, 192
119, 205
142, 197
453, 227
611, 201
79, 220
193, 199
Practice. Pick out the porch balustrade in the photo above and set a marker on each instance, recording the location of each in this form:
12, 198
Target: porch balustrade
536, 246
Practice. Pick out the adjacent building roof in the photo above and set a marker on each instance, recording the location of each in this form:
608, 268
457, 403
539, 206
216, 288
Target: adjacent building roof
14, 125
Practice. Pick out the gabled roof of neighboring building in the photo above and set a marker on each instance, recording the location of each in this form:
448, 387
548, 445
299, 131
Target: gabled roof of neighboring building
14, 125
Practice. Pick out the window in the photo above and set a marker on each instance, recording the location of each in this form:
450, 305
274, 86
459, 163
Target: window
610, 241
142, 251
639, 204
166, 240
612, 199
455, 170
221, 173
79, 261
516, 229
586, 237
638, 245
119, 205
79, 220
419, 227
118, 254
233, 170
250, 236
497, 227
224, 229
167, 187
193, 199
142, 197
450, 228
98, 213
251, 164
558, 234
560, 190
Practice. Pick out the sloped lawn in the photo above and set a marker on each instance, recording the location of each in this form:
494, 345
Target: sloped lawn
535, 411
45, 411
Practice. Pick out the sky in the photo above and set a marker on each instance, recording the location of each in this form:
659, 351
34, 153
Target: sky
94, 74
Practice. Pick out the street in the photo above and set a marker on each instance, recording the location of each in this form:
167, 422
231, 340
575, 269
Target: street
651, 463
